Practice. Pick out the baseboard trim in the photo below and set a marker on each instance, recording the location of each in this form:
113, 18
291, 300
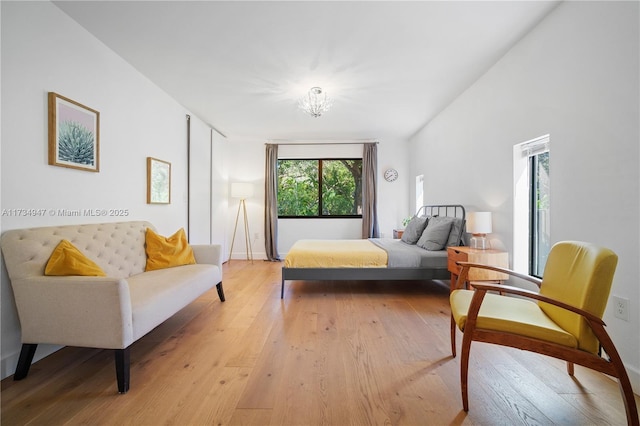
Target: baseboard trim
9, 362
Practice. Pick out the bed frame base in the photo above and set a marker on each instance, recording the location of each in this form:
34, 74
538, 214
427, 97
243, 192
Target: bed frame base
362, 274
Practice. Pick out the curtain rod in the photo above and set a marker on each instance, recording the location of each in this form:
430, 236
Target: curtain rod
288, 142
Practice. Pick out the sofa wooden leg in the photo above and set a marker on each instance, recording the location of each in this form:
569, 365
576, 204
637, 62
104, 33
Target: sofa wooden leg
122, 369
220, 291
24, 361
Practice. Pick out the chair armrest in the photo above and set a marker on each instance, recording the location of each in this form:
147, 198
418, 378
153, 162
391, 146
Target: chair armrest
465, 266
208, 253
483, 287
75, 311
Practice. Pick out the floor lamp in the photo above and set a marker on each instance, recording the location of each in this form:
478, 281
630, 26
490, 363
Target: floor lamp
242, 191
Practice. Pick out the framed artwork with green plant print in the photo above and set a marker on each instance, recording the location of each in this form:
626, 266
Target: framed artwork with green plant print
158, 181
74, 134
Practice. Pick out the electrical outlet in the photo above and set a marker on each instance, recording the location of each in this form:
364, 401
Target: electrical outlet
621, 308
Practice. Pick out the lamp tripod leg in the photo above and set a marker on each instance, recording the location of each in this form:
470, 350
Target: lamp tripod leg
247, 234
235, 228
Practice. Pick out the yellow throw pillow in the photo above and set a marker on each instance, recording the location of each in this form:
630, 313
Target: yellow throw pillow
66, 259
165, 252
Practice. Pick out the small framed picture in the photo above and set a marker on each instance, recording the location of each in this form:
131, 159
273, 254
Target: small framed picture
158, 181
74, 134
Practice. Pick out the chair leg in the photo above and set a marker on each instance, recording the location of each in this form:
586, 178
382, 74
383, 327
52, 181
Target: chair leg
624, 383
620, 373
122, 369
464, 370
453, 336
24, 361
220, 291
570, 369
629, 400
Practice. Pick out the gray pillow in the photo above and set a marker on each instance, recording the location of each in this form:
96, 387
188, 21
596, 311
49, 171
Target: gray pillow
457, 229
414, 230
436, 234
455, 236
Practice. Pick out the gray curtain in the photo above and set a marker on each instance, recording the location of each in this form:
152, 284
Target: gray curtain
271, 203
369, 192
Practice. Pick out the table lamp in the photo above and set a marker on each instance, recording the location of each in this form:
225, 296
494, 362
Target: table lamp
479, 225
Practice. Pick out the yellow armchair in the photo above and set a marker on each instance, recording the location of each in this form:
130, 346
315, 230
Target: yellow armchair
562, 320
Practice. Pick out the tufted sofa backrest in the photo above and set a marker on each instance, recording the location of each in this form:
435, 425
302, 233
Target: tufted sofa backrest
118, 248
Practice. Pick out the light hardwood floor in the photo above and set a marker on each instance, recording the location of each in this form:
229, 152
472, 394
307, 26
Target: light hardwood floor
330, 353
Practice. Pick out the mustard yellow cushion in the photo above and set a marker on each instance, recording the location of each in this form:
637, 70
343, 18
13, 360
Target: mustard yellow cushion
578, 274
66, 259
511, 315
166, 252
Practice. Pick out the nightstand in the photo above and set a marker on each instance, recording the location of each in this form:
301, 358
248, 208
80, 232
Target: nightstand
397, 233
487, 257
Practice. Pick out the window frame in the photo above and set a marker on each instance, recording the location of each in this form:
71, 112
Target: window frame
534, 220
523, 200
320, 174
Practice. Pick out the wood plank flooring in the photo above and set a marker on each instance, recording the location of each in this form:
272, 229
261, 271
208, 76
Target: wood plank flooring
330, 353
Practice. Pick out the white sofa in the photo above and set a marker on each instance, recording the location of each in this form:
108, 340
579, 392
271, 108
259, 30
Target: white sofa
108, 312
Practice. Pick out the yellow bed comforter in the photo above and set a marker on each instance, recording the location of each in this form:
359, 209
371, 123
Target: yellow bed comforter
335, 254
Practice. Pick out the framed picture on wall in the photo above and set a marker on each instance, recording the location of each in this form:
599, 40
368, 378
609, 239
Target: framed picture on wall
74, 134
158, 181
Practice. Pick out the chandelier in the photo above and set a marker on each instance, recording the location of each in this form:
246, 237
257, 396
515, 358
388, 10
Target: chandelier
315, 102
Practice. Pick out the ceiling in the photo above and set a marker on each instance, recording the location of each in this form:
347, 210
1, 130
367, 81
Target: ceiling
241, 66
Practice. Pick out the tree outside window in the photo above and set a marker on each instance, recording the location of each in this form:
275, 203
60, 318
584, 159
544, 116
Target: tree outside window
320, 188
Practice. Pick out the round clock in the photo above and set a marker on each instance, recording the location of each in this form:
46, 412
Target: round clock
390, 175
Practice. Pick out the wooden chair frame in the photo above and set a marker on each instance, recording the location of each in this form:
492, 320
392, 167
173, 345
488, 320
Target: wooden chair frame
612, 366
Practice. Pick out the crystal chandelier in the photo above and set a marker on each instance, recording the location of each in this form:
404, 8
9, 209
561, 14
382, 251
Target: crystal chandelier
315, 102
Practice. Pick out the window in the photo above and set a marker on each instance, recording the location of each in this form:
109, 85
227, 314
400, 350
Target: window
539, 212
313, 188
419, 192
532, 239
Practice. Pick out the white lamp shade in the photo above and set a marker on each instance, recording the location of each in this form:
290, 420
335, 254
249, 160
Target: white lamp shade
241, 190
479, 222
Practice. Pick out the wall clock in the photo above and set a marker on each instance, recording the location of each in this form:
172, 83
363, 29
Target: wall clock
390, 175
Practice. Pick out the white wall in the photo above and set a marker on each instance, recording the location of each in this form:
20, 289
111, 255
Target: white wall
394, 198
219, 194
44, 50
200, 183
207, 185
246, 164
575, 76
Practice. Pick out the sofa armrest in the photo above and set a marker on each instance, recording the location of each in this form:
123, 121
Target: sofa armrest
208, 253
75, 311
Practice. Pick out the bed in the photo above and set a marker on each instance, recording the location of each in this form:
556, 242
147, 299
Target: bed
378, 259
